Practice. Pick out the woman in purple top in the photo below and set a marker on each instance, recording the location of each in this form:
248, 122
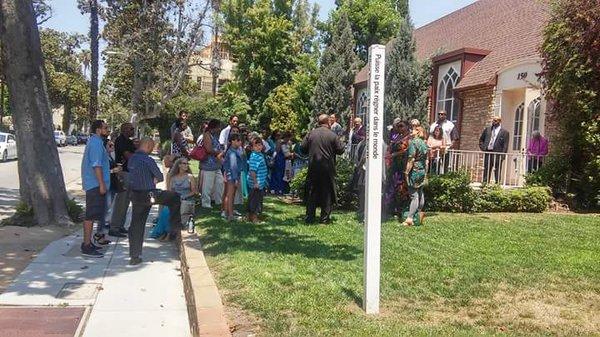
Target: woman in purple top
536, 151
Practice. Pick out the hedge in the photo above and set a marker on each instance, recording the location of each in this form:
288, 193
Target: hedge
451, 192
346, 198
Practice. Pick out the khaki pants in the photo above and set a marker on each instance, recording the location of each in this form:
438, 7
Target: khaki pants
212, 187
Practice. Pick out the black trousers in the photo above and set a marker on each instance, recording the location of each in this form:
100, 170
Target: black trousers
139, 216
492, 162
320, 195
534, 164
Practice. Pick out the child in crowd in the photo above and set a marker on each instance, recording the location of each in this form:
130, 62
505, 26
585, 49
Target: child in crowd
257, 179
232, 167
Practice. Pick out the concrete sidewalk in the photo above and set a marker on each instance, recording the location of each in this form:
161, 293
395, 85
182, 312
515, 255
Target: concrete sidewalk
144, 300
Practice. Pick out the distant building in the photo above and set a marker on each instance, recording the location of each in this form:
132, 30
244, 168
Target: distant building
57, 117
485, 63
200, 63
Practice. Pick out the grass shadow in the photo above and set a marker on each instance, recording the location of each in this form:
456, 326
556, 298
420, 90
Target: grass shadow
221, 237
356, 298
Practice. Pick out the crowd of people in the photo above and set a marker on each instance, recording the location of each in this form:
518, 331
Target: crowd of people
238, 167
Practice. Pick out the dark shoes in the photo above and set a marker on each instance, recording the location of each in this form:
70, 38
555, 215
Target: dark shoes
123, 230
135, 261
326, 221
174, 236
100, 240
117, 233
90, 251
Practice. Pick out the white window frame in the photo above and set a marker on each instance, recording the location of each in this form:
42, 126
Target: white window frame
449, 81
362, 104
518, 127
534, 115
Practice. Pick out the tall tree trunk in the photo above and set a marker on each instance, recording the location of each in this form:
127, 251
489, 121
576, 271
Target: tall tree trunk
41, 180
2, 80
66, 120
94, 40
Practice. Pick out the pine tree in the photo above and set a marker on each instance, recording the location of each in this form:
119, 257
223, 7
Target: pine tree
404, 82
338, 68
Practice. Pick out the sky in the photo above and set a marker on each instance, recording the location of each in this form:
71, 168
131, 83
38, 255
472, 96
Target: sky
66, 17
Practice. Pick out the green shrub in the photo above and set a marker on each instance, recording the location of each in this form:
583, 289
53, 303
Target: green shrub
75, 210
165, 148
450, 192
346, 198
493, 198
553, 174
297, 183
23, 209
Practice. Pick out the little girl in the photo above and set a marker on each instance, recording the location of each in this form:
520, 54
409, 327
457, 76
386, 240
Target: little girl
232, 167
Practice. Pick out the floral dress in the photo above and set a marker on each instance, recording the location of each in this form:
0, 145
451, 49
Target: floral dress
417, 149
396, 192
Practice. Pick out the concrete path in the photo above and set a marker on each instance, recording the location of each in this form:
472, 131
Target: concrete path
144, 300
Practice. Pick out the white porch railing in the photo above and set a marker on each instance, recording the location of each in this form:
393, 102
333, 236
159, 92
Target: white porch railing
505, 169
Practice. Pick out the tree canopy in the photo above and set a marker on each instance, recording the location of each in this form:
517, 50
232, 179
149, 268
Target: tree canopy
275, 45
406, 80
67, 87
372, 21
571, 72
339, 65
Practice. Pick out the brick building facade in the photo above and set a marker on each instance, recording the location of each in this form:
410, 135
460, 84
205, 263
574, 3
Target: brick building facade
485, 63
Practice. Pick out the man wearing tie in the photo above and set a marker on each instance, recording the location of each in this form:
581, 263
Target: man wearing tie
494, 142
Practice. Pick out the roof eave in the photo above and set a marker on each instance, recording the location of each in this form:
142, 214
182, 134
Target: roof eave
454, 53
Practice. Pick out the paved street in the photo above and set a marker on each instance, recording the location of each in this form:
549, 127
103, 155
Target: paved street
70, 158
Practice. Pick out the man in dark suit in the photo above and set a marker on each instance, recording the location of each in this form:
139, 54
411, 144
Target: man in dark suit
322, 145
494, 142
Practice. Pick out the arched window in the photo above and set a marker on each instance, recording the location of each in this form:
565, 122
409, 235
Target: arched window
362, 105
517, 134
445, 95
534, 113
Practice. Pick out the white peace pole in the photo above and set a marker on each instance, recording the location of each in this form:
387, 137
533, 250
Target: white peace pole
375, 126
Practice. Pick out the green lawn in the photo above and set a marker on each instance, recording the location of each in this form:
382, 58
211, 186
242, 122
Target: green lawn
459, 274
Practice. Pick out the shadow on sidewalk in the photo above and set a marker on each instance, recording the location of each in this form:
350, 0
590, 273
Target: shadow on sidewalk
61, 274
9, 198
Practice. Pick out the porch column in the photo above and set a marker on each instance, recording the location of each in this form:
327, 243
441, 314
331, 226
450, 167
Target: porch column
530, 95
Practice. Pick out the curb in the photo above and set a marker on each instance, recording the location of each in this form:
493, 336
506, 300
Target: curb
205, 308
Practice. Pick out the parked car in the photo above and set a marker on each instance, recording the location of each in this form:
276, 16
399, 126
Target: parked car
8, 146
71, 140
60, 138
82, 138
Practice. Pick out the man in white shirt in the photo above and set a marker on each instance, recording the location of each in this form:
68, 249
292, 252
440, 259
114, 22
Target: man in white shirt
450, 134
224, 136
